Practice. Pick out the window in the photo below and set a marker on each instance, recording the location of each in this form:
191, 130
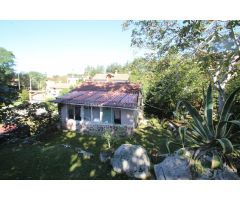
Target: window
87, 113
117, 116
107, 117
78, 113
70, 112
96, 114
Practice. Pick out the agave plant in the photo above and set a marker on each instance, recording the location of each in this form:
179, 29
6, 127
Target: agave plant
203, 133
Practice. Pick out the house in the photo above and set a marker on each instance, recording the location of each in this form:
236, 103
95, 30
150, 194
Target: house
72, 80
55, 85
100, 106
37, 96
113, 77
53, 88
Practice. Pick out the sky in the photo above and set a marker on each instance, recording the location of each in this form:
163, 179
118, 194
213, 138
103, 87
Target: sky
60, 47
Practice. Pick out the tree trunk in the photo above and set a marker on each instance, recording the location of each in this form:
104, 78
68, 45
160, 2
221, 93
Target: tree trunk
220, 101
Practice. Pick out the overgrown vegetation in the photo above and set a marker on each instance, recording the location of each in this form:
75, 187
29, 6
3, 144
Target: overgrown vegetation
209, 134
182, 57
31, 118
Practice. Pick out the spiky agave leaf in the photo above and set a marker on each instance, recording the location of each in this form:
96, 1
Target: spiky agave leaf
168, 142
182, 132
225, 112
198, 120
226, 145
216, 162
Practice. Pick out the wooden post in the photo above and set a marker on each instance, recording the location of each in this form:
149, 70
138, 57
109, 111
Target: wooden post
101, 113
82, 113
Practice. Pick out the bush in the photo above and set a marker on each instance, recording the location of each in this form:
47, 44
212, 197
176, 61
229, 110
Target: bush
220, 138
171, 87
34, 118
24, 95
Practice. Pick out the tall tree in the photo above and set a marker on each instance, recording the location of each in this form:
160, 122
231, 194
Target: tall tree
115, 67
8, 89
214, 45
91, 71
38, 80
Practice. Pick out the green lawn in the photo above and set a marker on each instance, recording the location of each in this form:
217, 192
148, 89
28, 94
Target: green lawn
48, 159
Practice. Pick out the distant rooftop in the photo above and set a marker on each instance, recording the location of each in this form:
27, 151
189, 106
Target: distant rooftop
114, 77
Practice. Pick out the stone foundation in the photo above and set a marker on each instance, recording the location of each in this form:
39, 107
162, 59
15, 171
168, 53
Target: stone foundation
97, 128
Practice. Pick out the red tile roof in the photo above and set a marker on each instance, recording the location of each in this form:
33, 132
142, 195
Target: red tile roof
103, 94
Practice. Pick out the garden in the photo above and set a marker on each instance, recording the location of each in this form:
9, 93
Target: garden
189, 81
53, 155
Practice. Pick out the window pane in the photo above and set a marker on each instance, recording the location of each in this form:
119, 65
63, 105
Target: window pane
87, 113
117, 116
96, 114
106, 118
70, 112
78, 113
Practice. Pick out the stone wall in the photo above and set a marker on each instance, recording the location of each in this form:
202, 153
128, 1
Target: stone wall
97, 128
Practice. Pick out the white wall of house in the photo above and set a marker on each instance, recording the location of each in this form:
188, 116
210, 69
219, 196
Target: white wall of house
128, 118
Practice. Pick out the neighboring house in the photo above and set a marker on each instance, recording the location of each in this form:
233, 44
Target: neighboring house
99, 106
111, 77
53, 89
72, 80
37, 96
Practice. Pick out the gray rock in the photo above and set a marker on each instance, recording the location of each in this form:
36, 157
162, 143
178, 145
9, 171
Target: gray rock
208, 174
132, 160
66, 145
173, 168
219, 174
226, 174
105, 156
85, 154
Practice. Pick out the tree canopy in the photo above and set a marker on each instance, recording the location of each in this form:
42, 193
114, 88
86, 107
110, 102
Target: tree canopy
213, 45
8, 90
91, 71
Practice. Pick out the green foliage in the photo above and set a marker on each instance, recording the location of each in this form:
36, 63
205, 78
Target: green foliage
108, 137
91, 71
37, 117
202, 132
66, 90
177, 81
8, 89
24, 95
213, 45
115, 67
38, 80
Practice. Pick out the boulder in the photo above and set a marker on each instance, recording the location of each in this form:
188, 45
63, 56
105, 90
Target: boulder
173, 167
226, 174
132, 160
85, 154
105, 156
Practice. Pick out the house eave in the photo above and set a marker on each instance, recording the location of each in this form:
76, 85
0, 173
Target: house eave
95, 105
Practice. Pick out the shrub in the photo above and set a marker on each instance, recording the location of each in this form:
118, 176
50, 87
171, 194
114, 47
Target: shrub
34, 118
203, 134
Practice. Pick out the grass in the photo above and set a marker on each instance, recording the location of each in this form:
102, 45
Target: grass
49, 159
